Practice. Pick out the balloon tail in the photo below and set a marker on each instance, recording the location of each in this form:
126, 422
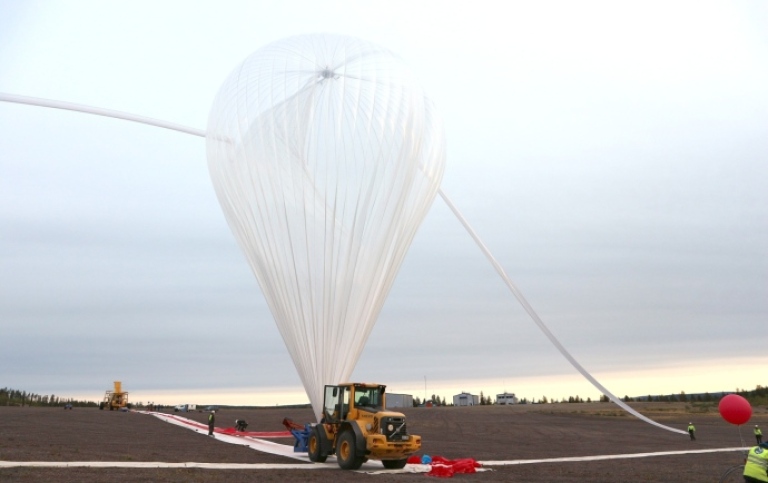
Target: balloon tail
516, 292
98, 111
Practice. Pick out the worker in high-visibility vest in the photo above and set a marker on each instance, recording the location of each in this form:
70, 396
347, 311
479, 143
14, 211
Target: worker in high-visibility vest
756, 468
758, 434
211, 422
692, 431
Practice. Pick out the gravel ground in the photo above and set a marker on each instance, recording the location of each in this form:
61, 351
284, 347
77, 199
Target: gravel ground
485, 433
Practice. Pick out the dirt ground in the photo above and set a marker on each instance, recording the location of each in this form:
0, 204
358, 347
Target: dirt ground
485, 433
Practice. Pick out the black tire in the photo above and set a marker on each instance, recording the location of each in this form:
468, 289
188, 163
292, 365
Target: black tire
315, 448
346, 452
394, 464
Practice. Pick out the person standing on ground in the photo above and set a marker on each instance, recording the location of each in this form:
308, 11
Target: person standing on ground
211, 421
692, 431
755, 470
758, 434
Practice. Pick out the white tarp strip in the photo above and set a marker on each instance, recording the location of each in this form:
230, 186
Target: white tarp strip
609, 457
253, 443
276, 466
270, 447
159, 464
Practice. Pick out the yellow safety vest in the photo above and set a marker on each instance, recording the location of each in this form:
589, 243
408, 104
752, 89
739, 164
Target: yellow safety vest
758, 432
757, 464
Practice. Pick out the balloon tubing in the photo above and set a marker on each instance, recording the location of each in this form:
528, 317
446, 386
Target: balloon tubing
69, 106
516, 292
35, 101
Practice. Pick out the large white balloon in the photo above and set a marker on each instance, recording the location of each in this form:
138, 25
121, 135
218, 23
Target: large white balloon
325, 155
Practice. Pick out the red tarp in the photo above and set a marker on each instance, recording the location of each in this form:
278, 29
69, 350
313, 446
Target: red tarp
445, 468
255, 434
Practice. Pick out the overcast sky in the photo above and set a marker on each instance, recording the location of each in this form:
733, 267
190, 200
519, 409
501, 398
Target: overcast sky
612, 155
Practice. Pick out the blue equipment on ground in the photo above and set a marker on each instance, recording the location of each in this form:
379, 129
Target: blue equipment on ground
301, 433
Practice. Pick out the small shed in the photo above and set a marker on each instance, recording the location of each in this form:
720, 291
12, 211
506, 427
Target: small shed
506, 398
466, 399
399, 401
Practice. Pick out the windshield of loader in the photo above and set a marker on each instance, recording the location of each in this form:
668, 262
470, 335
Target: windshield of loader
369, 397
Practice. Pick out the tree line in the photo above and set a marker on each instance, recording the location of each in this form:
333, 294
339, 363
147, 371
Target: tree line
16, 397
757, 396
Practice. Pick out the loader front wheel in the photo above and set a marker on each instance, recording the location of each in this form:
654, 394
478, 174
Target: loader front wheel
315, 448
346, 453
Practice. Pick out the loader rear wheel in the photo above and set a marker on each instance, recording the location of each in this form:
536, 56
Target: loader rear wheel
314, 448
394, 464
346, 454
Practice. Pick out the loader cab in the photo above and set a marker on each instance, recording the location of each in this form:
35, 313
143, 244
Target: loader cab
369, 398
339, 400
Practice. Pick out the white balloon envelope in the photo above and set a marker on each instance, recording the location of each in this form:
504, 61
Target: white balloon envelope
325, 155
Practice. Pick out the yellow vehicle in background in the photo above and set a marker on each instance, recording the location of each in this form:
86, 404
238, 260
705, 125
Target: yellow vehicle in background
356, 427
116, 399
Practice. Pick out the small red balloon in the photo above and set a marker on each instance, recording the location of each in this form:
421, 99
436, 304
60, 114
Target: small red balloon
735, 409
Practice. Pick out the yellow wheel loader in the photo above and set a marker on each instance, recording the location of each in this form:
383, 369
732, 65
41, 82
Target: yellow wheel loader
356, 427
115, 400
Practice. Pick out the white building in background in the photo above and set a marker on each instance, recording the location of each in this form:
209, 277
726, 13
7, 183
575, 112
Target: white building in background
399, 401
466, 399
506, 398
